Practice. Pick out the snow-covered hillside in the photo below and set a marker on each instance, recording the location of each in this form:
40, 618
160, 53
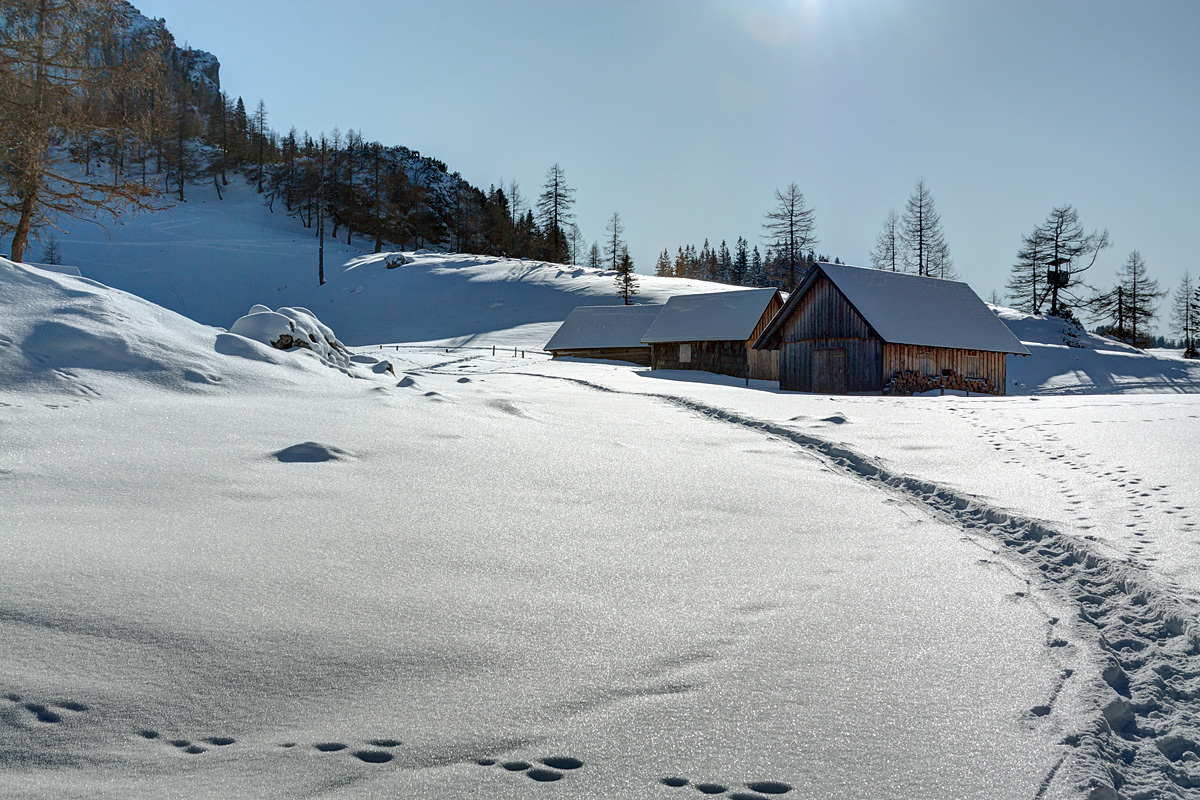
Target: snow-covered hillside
211, 260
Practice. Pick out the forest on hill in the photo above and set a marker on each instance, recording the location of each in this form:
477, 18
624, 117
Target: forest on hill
105, 112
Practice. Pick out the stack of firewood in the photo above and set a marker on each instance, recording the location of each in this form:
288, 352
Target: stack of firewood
910, 382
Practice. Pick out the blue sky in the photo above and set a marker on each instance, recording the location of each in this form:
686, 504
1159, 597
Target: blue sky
686, 115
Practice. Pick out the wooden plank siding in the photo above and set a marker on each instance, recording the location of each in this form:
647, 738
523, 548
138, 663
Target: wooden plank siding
735, 358
635, 355
864, 363
824, 320
723, 358
764, 364
932, 360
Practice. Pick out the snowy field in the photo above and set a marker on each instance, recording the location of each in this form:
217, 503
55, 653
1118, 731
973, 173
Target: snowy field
434, 571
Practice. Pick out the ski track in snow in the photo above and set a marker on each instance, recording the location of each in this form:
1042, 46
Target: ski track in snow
1145, 738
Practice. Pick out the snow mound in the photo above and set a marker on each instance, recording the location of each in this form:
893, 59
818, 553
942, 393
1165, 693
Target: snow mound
72, 332
82, 338
1066, 359
292, 328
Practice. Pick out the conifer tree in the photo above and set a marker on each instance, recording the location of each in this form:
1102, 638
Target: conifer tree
260, 132
791, 229
554, 210
51, 253
724, 263
1058, 248
626, 278
1183, 316
741, 262
613, 243
594, 259
664, 268
925, 249
1130, 307
888, 253
755, 276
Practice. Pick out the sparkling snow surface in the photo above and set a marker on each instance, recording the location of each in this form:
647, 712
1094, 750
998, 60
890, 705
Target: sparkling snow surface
232, 571
473, 562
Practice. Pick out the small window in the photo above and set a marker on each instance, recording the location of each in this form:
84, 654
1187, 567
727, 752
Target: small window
685, 353
973, 366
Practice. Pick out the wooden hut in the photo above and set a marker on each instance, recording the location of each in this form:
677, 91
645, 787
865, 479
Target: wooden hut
610, 332
713, 332
849, 329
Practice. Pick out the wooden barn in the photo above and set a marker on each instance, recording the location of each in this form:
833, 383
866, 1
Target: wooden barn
850, 329
713, 332
610, 332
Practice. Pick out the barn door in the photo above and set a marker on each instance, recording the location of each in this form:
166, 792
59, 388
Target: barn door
829, 370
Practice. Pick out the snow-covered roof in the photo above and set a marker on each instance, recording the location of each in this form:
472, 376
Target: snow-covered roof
716, 317
598, 327
910, 309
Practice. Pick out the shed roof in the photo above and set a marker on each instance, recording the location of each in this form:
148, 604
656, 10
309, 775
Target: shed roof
715, 317
911, 309
599, 327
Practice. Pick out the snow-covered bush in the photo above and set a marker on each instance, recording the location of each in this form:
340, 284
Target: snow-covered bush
289, 328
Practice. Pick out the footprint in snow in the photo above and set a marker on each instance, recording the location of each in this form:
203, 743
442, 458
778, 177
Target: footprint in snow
759, 787
47, 713
552, 768
187, 745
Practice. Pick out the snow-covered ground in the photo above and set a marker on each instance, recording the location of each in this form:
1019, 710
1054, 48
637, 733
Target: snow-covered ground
233, 571
212, 259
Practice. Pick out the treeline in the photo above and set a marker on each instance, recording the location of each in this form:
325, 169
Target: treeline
741, 266
790, 233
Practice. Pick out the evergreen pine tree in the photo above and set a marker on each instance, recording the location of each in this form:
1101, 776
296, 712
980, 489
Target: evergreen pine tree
554, 210
626, 279
755, 276
741, 262
664, 268
724, 263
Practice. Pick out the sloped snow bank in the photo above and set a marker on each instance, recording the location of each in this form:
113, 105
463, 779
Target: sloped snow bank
1066, 359
81, 337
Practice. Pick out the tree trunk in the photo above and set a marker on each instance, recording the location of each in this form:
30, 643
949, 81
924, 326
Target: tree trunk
22, 233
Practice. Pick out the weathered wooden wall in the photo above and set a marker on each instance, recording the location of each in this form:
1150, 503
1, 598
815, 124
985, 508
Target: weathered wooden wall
824, 320
864, 358
933, 360
764, 364
724, 358
636, 355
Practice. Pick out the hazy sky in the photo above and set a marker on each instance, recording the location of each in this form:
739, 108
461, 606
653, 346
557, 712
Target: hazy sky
686, 115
